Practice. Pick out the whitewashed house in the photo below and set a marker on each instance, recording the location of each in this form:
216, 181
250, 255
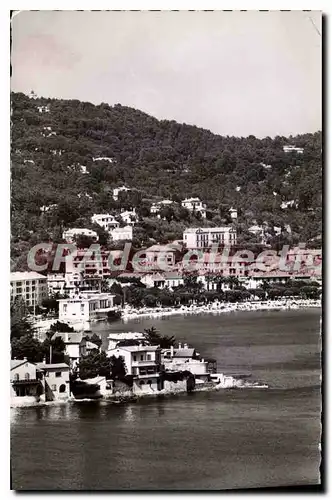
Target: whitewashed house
106, 221
56, 380
86, 307
144, 363
195, 205
69, 235
292, 149
122, 233
185, 358
129, 217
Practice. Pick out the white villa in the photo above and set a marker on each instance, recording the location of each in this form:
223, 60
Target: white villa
118, 190
70, 234
129, 217
122, 233
106, 221
143, 362
206, 236
292, 148
186, 358
87, 306
194, 205
156, 207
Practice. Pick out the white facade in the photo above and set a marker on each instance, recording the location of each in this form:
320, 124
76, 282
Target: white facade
185, 359
56, 377
207, 236
70, 234
29, 286
233, 213
141, 360
194, 205
290, 149
156, 207
86, 307
106, 221
122, 233
118, 190
76, 345
129, 217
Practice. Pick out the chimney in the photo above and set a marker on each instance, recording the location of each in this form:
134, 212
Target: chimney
25, 359
185, 346
172, 351
180, 345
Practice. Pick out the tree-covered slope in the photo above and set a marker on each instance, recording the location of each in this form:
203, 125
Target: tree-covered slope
159, 158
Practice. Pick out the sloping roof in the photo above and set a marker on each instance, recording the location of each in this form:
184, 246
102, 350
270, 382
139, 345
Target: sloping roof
91, 345
27, 275
135, 348
52, 365
14, 363
184, 353
73, 337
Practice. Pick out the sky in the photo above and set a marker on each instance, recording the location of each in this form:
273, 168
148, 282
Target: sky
234, 73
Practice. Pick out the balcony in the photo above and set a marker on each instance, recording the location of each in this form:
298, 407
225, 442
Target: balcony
145, 362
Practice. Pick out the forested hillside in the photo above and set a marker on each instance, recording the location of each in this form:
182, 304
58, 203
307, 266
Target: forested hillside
52, 139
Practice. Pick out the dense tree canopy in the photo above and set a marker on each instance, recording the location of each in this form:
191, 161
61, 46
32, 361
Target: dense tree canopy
59, 168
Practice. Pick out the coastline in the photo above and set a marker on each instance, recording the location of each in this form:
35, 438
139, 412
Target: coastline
219, 308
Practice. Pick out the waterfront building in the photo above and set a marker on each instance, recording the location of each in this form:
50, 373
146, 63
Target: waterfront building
143, 362
195, 205
69, 235
87, 306
56, 380
122, 233
205, 237
185, 358
106, 221
28, 286
25, 380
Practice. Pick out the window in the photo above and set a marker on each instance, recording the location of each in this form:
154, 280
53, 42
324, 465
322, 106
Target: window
62, 388
58, 374
148, 357
16, 376
53, 387
64, 308
142, 357
135, 358
27, 376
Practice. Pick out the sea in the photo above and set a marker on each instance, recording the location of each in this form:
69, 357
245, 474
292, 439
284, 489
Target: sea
228, 439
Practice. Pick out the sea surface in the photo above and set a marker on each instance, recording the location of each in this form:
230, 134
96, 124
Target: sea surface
235, 438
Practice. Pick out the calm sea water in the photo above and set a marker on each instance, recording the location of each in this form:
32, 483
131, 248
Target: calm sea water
238, 438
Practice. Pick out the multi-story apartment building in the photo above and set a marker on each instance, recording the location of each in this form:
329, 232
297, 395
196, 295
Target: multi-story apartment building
29, 286
106, 221
195, 205
204, 237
